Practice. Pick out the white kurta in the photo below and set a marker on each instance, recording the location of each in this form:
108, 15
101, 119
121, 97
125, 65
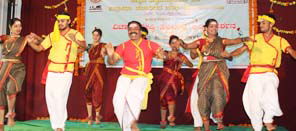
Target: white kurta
127, 100
260, 99
56, 93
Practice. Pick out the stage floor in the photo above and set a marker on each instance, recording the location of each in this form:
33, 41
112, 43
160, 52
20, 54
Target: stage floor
44, 125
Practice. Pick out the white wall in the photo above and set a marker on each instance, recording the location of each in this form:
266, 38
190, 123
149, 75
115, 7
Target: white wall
3, 16
18, 8
3, 19
3, 13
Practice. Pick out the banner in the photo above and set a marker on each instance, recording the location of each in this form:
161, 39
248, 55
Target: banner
163, 18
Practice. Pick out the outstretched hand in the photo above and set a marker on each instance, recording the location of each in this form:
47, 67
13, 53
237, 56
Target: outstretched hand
33, 35
30, 38
249, 39
109, 49
103, 51
33, 38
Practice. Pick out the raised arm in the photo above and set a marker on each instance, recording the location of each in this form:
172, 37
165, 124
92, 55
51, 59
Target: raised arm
291, 51
193, 53
113, 57
78, 38
3, 38
161, 54
239, 51
37, 48
186, 61
236, 41
103, 51
34, 41
81, 44
157, 50
192, 45
287, 48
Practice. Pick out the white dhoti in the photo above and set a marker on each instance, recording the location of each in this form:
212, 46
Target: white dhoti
127, 100
56, 93
193, 105
260, 99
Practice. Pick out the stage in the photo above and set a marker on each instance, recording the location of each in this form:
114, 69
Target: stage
44, 125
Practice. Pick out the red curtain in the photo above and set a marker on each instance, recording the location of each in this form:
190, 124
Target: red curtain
31, 101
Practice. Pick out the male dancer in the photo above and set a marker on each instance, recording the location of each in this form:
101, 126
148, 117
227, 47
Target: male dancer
131, 87
64, 43
260, 97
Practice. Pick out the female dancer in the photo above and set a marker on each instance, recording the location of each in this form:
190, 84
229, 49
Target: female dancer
95, 72
171, 81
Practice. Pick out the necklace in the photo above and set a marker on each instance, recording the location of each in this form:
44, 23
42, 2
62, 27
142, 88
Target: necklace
12, 45
205, 49
9, 50
206, 53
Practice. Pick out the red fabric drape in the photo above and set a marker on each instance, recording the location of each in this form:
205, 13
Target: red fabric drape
31, 101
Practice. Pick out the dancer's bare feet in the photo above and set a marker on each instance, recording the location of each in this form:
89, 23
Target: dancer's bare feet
134, 126
220, 126
163, 124
207, 125
98, 119
10, 116
197, 128
59, 129
270, 126
90, 121
171, 120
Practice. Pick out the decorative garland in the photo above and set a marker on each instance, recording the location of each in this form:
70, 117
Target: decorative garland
74, 22
292, 3
283, 3
290, 32
80, 23
57, 5
66, 9
80, 16
253, 15
280, 3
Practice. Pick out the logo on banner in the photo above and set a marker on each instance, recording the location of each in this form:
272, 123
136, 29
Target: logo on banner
95, 7
237, 1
